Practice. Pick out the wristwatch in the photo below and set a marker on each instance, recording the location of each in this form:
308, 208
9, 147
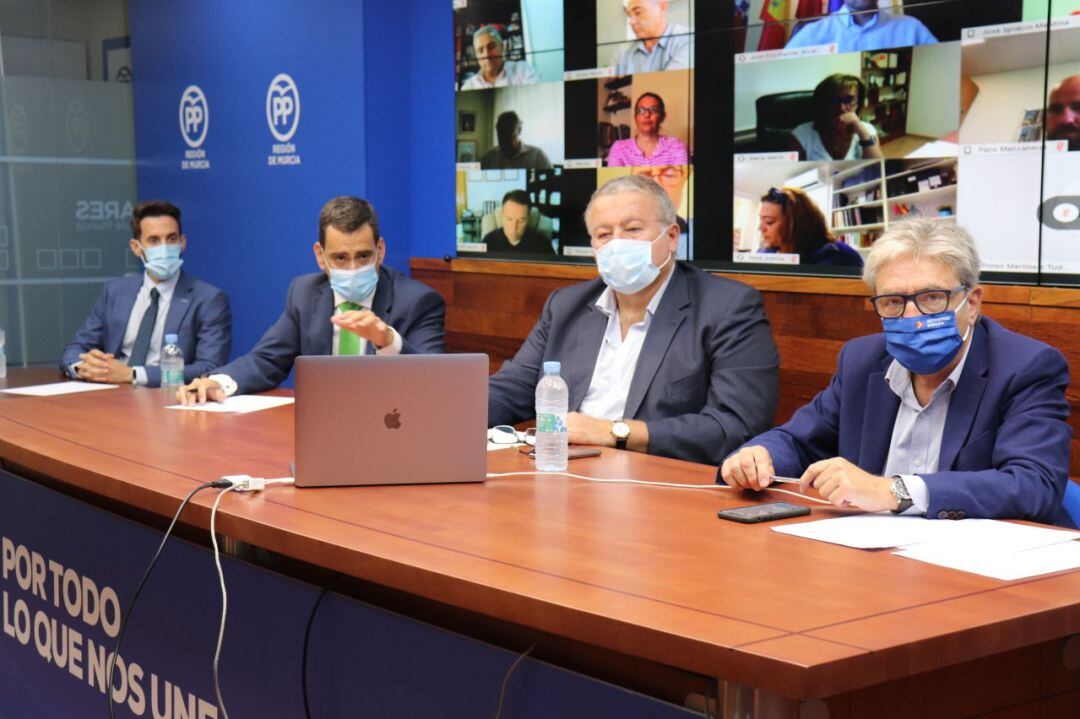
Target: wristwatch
868, 142
620, 431
903, 496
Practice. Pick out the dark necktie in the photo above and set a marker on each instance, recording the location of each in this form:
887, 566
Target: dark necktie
146, 328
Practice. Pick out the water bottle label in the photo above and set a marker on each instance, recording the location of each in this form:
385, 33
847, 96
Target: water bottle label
550, 423
172, 376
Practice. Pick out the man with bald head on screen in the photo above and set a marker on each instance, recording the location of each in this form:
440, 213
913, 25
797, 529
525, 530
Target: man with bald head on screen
1063, 113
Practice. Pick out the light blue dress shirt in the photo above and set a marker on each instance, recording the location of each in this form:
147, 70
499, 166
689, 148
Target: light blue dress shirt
671, 52
883, 30
916, 439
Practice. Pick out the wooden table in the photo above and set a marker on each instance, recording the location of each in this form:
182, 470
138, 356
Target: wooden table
648, 573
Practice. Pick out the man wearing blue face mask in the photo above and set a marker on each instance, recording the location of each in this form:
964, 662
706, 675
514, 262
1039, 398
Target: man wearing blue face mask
659, 356
946, 414
121, 340
354, 306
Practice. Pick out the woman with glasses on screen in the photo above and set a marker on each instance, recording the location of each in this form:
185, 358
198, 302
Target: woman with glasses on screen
836, 132
790, 222
648, 146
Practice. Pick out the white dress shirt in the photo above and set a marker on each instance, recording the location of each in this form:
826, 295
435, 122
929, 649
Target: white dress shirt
618, 358
916, 439
228, 384
165, 289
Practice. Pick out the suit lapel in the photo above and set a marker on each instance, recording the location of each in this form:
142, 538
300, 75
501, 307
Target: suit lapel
669, 315
581, 359
322, 334
879, 417
179, 304
964, 404
118, 321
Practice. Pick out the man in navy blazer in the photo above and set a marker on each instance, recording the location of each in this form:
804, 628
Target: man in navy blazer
947, 414
354, 306
120, 342
659, 356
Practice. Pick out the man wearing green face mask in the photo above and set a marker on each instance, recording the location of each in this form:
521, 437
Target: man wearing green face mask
120, 342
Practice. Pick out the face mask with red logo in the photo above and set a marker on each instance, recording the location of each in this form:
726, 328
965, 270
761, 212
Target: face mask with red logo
925, 344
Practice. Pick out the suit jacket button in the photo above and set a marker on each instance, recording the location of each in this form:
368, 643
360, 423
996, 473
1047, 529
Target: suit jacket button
943, 514
952, 514
961, 514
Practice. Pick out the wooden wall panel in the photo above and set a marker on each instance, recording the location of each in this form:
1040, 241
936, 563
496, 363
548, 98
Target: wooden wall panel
491, 306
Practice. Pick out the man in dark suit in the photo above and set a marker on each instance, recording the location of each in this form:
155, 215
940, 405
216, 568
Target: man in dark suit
354, 306
120, 342
659, 357
947, 414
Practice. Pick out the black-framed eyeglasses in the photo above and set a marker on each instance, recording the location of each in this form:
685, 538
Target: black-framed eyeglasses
647, 110
928, 302
844, 99
777, 197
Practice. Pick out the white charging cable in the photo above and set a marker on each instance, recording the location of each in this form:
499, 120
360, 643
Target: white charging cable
240, 483
621, 480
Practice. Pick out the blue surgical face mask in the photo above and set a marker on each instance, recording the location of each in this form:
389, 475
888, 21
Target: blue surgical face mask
354, 285
927, 343
162, 261
626, 266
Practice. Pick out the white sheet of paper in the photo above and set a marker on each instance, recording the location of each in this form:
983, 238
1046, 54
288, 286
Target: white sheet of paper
885, 531
237, 404
865, 531
58, 388
1006, 566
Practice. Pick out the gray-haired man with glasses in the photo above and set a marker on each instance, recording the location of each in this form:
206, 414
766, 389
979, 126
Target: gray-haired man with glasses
946, 414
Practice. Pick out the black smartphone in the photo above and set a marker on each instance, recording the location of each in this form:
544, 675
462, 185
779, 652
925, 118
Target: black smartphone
763, 512
572, 454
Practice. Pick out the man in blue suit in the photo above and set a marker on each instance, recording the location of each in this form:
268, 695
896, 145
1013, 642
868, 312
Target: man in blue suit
354, 306
659, 357
120, 342
947, 414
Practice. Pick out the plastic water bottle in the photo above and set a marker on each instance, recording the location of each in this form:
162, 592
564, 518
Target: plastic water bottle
3, 356
552, 400
172, 365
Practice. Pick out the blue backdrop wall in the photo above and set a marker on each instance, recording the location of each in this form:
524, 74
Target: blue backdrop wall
369, 112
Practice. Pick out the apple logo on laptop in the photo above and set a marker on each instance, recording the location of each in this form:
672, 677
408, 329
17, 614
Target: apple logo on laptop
393, 419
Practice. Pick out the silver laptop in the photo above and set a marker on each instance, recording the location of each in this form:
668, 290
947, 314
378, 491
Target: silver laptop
400, 419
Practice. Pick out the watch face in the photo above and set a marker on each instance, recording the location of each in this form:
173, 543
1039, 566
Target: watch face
899, 489
621, 430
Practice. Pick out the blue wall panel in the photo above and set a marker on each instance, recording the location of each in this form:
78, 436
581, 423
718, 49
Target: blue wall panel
250, 226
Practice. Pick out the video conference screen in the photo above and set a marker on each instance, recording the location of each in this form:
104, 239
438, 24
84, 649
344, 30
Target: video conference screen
806, 126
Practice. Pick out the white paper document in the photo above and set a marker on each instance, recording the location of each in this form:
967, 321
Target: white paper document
867, 531
885, 531
237, 404
1006, 566
58, 388
992, 548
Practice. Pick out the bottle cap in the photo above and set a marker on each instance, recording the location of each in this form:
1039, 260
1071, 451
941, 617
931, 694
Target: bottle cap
552, 367
171, 339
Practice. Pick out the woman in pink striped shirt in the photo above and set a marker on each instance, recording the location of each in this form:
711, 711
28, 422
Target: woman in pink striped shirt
648, 146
